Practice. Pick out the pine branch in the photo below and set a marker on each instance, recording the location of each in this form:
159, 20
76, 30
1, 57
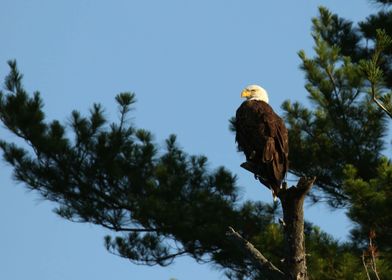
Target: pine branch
126, 229
151, 262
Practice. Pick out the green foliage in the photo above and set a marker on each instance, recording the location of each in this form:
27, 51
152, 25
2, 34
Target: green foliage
372, 69
341, 138
158, 203
161, 203
345, 263
385, 2
371, 206
345, 126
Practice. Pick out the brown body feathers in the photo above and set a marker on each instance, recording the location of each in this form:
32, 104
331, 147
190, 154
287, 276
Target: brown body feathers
262, 136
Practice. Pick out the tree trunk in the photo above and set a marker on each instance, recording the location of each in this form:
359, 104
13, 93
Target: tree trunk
292, 200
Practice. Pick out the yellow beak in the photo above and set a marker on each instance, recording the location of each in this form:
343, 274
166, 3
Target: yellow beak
245, 93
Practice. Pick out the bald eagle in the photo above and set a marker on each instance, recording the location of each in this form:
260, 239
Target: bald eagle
262, 136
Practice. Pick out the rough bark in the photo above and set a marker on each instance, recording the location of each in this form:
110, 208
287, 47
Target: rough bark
292, 200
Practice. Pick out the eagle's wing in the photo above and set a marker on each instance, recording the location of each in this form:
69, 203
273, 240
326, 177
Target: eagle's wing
282, 144
262, 136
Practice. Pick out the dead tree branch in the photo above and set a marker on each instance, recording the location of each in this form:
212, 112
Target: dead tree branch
255, 256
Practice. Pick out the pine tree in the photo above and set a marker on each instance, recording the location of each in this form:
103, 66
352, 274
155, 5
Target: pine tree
344, 134
344, 126
161, 204
158, 204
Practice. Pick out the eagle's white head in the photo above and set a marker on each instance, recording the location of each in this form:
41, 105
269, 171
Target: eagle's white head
255, 92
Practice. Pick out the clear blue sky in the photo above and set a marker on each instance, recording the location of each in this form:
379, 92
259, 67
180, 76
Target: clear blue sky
187, 61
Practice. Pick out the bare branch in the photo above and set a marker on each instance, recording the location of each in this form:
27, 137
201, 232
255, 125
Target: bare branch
365, 266
257, 258
373, 88
305, 184
373, 251
332, 80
